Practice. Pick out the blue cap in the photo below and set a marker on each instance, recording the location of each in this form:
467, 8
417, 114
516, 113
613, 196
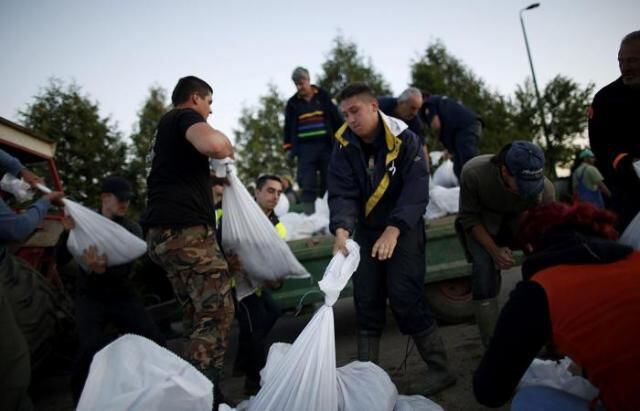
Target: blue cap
525, 162
585, 154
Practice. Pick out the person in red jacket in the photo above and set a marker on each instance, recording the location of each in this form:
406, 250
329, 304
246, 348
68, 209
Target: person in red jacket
581, 293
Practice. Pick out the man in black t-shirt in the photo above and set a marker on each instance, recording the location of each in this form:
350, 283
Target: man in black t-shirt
179, 219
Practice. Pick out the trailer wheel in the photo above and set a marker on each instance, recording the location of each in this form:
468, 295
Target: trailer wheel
451, 300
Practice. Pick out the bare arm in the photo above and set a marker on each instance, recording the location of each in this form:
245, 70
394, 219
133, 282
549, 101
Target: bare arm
209, 141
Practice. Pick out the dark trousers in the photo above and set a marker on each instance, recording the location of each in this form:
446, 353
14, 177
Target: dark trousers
256, 317
95, 309
15, 362
464, 146
313, 162
400, 279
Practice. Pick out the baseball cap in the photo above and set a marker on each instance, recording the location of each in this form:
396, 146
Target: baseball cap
585, 154
118, 186
525, 162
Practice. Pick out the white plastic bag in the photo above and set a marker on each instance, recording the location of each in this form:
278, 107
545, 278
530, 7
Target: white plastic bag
442, 201
444, 175
365, 386
416, 403
303, 376
20, 189
631, 235
109, 238
556, 375
282, 207
134, 373
248, 233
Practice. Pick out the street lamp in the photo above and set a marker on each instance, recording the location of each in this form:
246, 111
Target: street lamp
533, 73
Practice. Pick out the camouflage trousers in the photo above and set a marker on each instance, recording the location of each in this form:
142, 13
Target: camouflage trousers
202, 284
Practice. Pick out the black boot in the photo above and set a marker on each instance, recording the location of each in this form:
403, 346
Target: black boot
368, 346
214, 375
432, 351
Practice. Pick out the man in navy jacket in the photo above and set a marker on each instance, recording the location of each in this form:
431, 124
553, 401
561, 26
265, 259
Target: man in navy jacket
310, 121
378, 192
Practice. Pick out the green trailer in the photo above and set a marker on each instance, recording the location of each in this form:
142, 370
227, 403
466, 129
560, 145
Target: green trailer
447, 280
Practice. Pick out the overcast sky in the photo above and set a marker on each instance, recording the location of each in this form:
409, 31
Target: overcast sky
115, 50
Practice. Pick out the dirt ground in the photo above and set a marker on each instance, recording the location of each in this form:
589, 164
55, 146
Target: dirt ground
462, 342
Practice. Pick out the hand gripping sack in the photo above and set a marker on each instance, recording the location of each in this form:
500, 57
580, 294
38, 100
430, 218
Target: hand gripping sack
134, 373
303, 377
248, 233
110, 238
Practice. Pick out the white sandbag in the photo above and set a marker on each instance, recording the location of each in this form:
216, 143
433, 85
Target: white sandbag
282, 207
110, 238
91, 229
365, 386
444, 175
277, 351
556, 375
248, 233
134, 373
435, 157
416, 403
442, 201
20, 189
631, 235
304, 377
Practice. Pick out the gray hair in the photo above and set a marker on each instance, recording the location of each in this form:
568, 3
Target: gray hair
409, 93
633, 36
299, 73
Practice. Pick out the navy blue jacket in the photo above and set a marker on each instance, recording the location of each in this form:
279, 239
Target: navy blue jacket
314, 120
388, 105
453, 117
397, 192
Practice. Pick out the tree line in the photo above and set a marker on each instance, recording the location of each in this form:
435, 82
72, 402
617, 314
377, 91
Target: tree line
91, 146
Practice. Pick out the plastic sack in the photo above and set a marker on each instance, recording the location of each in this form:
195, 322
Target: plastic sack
248, 233
303, 376
416, 403
631, 235
109, 238
365, 386
300, 225
556, 375
134, 373
16, 186
442, 201
282, 207
444, 175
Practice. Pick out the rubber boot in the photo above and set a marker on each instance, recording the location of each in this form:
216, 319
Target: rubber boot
432, 351
368, 346
308, 207
486, 313
214, 375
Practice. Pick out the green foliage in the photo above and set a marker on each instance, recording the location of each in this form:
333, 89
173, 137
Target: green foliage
259, 139
565, 104
88, 147
345, 65
439, 72
154, 107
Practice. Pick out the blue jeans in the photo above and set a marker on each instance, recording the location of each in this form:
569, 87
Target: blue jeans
539, 398
485, 277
